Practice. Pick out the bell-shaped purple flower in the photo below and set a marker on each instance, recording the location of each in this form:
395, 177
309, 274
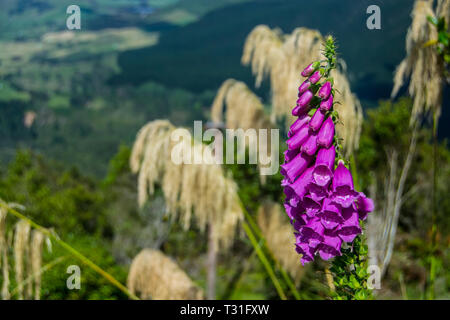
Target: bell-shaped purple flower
316, 120
299, 138
290, 154
331, 214
326, 133
317, 193
343, 190
296, 166
324, 91
291, 197
364, 205
311, 207
350, 228
294, 213
299, 187
326, 105
306, 251
323, 168
299, 123
315, 77
310, 145
311, 233
330, 247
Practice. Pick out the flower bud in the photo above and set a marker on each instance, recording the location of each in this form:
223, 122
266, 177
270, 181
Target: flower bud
326, 133
308, 70
316, 120
303, 87
298, 138
315, 77
326, 105
305, 99
324, 91
310, 145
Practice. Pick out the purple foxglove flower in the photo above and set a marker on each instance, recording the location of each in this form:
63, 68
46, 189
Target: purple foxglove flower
311, 207
301, 111
315, 77
300, 221
308, 70
324, 91
299, 138
305, 99
326, 105
317, 193
290, 154
294, 213
303, 87
299, 187
291, 196
326, 133
350, 228
312, 232
323, 168
316, 120
331, 214
306, 251
299, 123
330, 247
310, 145
296, 166
343, 190
364, 205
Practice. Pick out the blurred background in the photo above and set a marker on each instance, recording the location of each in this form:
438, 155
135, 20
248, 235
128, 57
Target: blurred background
73, 101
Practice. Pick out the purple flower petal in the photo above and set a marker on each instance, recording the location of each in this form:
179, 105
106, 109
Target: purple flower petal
299, 138
350, 228
343, 192
290, 154
331, 215
326, 133
308, 70
326, 105
312, 207
306, 251
299, 123
323, 168
303, 87
299, 187
305, 99
317, 193
324, 91
316, 120
294, 213
310, 145
315, 77
364, 205
330, 247
296, 166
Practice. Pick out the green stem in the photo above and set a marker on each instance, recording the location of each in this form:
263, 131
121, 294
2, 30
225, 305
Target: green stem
264, 260
283, 272
45, 268
73, 251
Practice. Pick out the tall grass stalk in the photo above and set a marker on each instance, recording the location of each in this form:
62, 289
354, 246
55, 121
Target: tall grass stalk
72, 251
